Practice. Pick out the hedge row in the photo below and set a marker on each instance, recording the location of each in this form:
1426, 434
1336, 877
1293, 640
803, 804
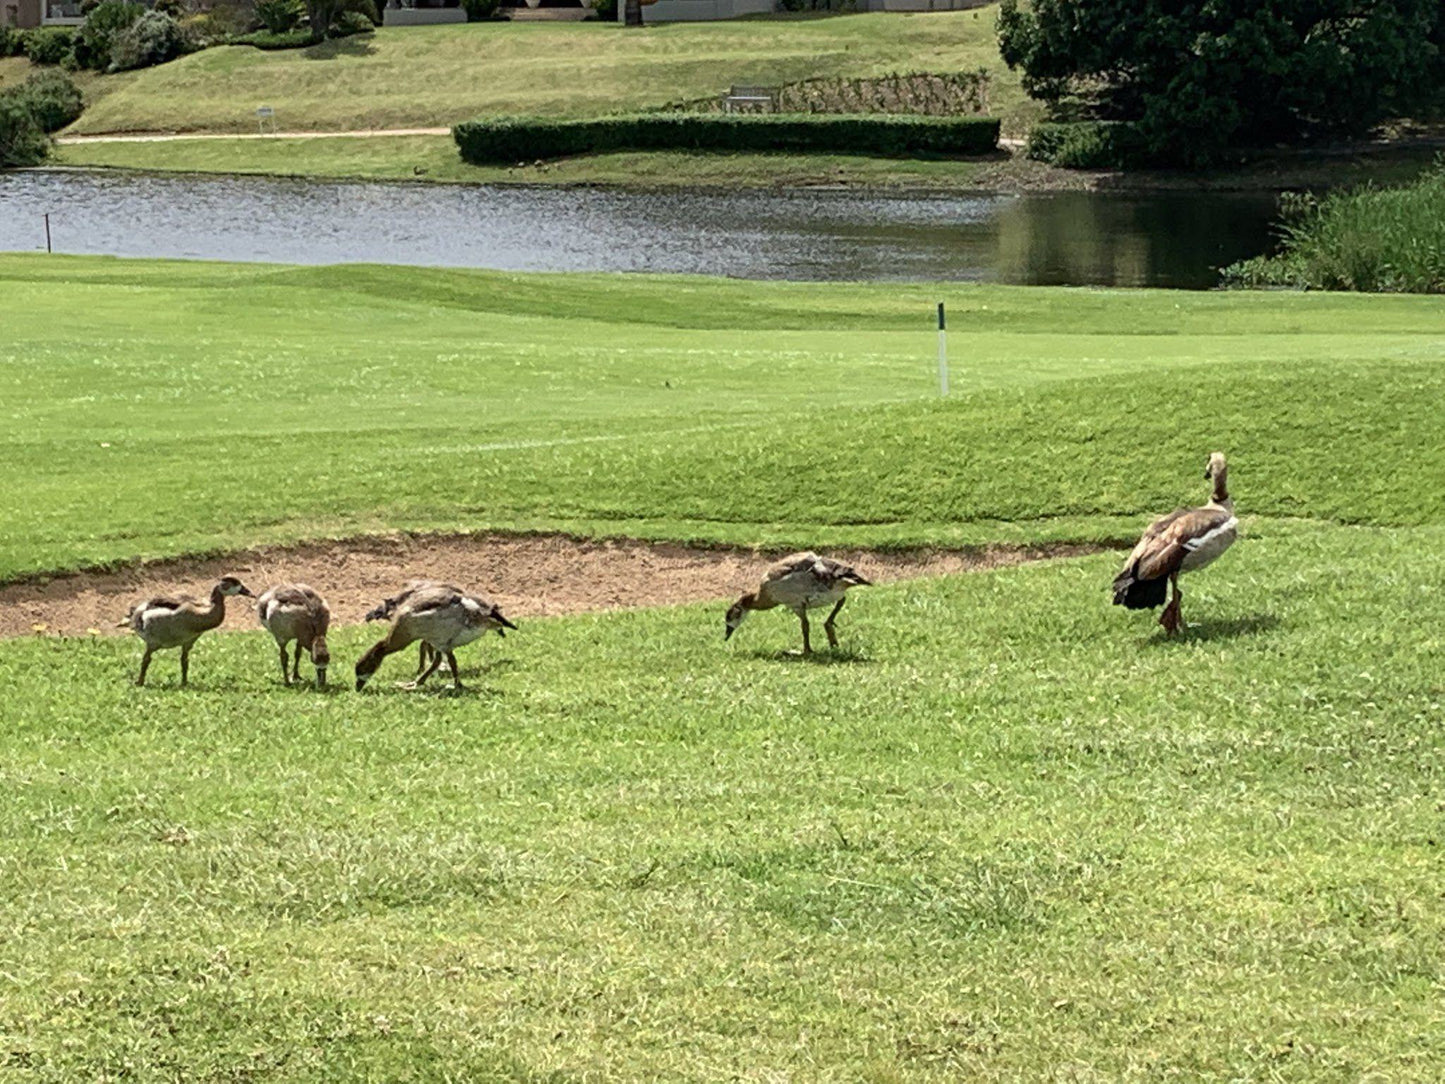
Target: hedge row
520, 139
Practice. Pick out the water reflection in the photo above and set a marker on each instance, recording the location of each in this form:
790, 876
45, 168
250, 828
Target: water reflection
1075, 238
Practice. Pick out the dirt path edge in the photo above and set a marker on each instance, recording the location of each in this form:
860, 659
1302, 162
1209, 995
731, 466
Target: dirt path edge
528, 575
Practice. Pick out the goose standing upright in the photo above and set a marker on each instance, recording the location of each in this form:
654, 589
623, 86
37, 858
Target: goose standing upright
293, 611
439, 616
1183, 541
801, 582
168, 621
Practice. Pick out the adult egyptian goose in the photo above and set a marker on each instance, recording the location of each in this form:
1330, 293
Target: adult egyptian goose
293, 611
168, 621
801, 582
1182, 541
439, 616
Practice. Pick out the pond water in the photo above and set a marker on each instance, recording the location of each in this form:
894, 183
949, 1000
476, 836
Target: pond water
1072, 238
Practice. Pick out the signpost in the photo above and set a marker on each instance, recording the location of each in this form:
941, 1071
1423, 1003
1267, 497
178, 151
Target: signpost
942, 353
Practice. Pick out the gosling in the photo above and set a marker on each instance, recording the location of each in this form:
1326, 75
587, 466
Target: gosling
801, 582
165, 622
440, 617
293, 611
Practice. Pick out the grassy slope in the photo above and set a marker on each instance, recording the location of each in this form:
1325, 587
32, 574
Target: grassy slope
428, 76
1010, 834
278, 403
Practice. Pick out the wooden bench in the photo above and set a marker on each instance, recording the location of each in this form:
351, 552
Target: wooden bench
741, 99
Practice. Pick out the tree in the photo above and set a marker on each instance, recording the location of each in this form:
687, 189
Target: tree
1195, 78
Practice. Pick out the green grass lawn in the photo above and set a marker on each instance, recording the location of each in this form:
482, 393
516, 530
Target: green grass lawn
1008, 832
437, 75
280, 403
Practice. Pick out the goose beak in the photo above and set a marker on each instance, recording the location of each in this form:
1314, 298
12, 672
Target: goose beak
506, 624
727, 634
247, 592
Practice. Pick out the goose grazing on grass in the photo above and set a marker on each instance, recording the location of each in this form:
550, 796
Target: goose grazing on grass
178, 621
439, 616
383, 610
293, 611
801, 582
1182, 541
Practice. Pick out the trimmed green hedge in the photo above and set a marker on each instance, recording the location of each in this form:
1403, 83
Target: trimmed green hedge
520, 139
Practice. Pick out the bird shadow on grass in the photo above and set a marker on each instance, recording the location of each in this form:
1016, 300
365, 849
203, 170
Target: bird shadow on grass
1215, 628
832, 657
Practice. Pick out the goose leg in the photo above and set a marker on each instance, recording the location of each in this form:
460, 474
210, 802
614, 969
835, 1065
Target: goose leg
285, 677
1170, 618
296, 663
185, 664
456, 672
828, 624
423, 657
803, 618
145, 664
436, 660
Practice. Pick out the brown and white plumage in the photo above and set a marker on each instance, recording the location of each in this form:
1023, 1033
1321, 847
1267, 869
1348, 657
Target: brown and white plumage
168, 621
383, 610
440, 616
294, 611
1183, 541
801, 582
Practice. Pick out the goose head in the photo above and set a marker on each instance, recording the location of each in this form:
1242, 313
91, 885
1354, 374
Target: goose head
321, 659
736, 615
230, 585
1216, 467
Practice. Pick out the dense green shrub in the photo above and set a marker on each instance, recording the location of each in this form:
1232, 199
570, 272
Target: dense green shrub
152, 39
280, 16
49, 44
105, 23
12, 41
324, 15
479, 11
22, 143
516, 139
1377, 240
1086, 145
1198, 78
51, 98
350, 22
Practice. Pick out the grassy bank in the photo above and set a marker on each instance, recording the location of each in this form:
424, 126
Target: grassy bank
435, 158
1389, 240
434, 76
672, 407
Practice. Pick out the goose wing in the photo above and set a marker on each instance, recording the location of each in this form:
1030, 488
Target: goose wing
792, 565
1169, 539
838, 572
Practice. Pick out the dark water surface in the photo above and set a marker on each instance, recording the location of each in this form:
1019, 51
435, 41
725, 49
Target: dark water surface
1069, 238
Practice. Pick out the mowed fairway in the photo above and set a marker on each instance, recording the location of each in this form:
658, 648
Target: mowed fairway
1007, 832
